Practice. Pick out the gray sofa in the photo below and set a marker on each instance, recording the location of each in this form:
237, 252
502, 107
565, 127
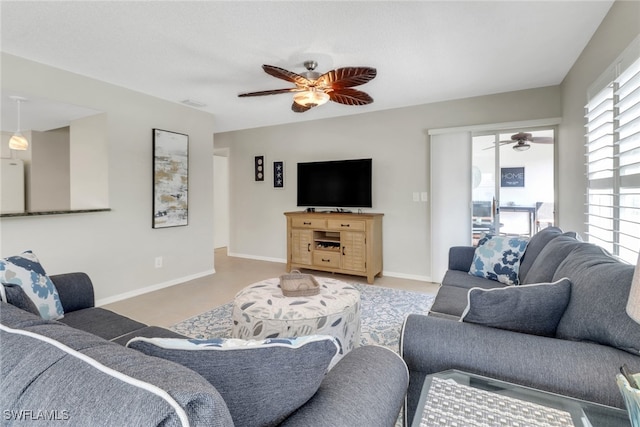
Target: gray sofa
76, 372
581, 355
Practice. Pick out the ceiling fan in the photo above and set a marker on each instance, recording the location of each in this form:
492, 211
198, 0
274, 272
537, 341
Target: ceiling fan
313, 89
522, 140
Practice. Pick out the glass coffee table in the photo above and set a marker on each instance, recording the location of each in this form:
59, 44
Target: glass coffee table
460, 399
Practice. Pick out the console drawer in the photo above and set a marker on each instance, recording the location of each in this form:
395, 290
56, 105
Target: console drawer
326, 258
336, 224
308, 223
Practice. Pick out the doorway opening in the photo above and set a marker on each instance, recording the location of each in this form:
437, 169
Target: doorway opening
221, 198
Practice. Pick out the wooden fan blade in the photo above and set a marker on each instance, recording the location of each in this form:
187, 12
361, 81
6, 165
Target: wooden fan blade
269, 92
350, 97
287, 75
297, 108
346, 77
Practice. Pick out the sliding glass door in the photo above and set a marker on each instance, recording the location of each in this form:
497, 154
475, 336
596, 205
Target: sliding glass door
483, 186
512, 182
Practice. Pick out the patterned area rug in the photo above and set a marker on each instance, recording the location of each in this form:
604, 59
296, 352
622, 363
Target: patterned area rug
382, 314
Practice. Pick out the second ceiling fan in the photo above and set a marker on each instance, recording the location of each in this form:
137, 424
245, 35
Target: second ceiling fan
521, 141
313, 89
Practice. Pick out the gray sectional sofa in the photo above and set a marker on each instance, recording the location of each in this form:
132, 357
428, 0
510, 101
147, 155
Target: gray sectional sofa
76, 372
579, 356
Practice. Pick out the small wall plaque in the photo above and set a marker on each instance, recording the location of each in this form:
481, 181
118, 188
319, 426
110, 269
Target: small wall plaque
512, 177
259, 168
278, 174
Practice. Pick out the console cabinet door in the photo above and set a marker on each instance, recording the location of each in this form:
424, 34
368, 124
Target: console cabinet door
301, 246
354, 253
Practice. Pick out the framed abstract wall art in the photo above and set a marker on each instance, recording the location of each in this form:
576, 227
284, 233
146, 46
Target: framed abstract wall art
170, 179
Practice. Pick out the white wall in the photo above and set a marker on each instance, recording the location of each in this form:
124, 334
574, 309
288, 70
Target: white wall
117, 248
48, 174
618, 29
221, 201
450, 213
89, 163
538, 183
395, 139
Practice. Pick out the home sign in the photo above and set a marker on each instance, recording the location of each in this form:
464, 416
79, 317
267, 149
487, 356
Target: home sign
512, 177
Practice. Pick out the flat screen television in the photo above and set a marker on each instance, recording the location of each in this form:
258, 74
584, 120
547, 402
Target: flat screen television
336, 184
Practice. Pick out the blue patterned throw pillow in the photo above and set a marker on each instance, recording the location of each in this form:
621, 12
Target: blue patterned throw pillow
498, 258
25, 270
261, 381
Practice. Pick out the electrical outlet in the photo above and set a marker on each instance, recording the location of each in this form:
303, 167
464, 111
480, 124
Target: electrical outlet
416, 196
424, 196
158, 262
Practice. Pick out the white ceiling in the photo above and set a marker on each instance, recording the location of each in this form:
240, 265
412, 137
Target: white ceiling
210, 51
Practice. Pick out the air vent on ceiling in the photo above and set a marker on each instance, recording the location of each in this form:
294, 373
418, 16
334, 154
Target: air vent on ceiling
194, 103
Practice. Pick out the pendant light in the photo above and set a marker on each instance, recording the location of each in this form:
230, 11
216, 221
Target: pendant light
18, 141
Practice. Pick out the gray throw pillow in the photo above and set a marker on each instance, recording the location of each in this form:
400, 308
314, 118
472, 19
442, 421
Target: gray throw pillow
15, 295
546, 263
262, 382
532, 309
26, 271
599, 294
537, 242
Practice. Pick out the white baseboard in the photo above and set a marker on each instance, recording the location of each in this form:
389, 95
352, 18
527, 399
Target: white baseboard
407, 276
135, 293
384, 273
258, 258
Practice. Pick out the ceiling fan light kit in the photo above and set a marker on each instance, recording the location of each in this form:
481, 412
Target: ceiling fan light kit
313, 89
311, 98
521, 146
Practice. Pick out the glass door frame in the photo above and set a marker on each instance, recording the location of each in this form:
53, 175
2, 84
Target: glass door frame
496, 199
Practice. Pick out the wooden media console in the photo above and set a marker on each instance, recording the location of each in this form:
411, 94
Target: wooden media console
337, 242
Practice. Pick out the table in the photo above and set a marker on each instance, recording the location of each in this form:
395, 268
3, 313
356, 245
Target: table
455, 395
262, 311
529, 210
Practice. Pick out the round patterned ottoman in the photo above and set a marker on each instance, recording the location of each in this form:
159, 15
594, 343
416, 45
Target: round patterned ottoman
261, 311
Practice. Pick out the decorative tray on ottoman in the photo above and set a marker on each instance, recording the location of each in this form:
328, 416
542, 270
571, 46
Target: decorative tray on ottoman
296, 284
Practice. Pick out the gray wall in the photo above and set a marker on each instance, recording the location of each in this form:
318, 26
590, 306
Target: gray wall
49, 171
117, 249
397, 142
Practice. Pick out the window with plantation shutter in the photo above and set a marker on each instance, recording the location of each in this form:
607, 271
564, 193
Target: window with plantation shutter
613, 157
